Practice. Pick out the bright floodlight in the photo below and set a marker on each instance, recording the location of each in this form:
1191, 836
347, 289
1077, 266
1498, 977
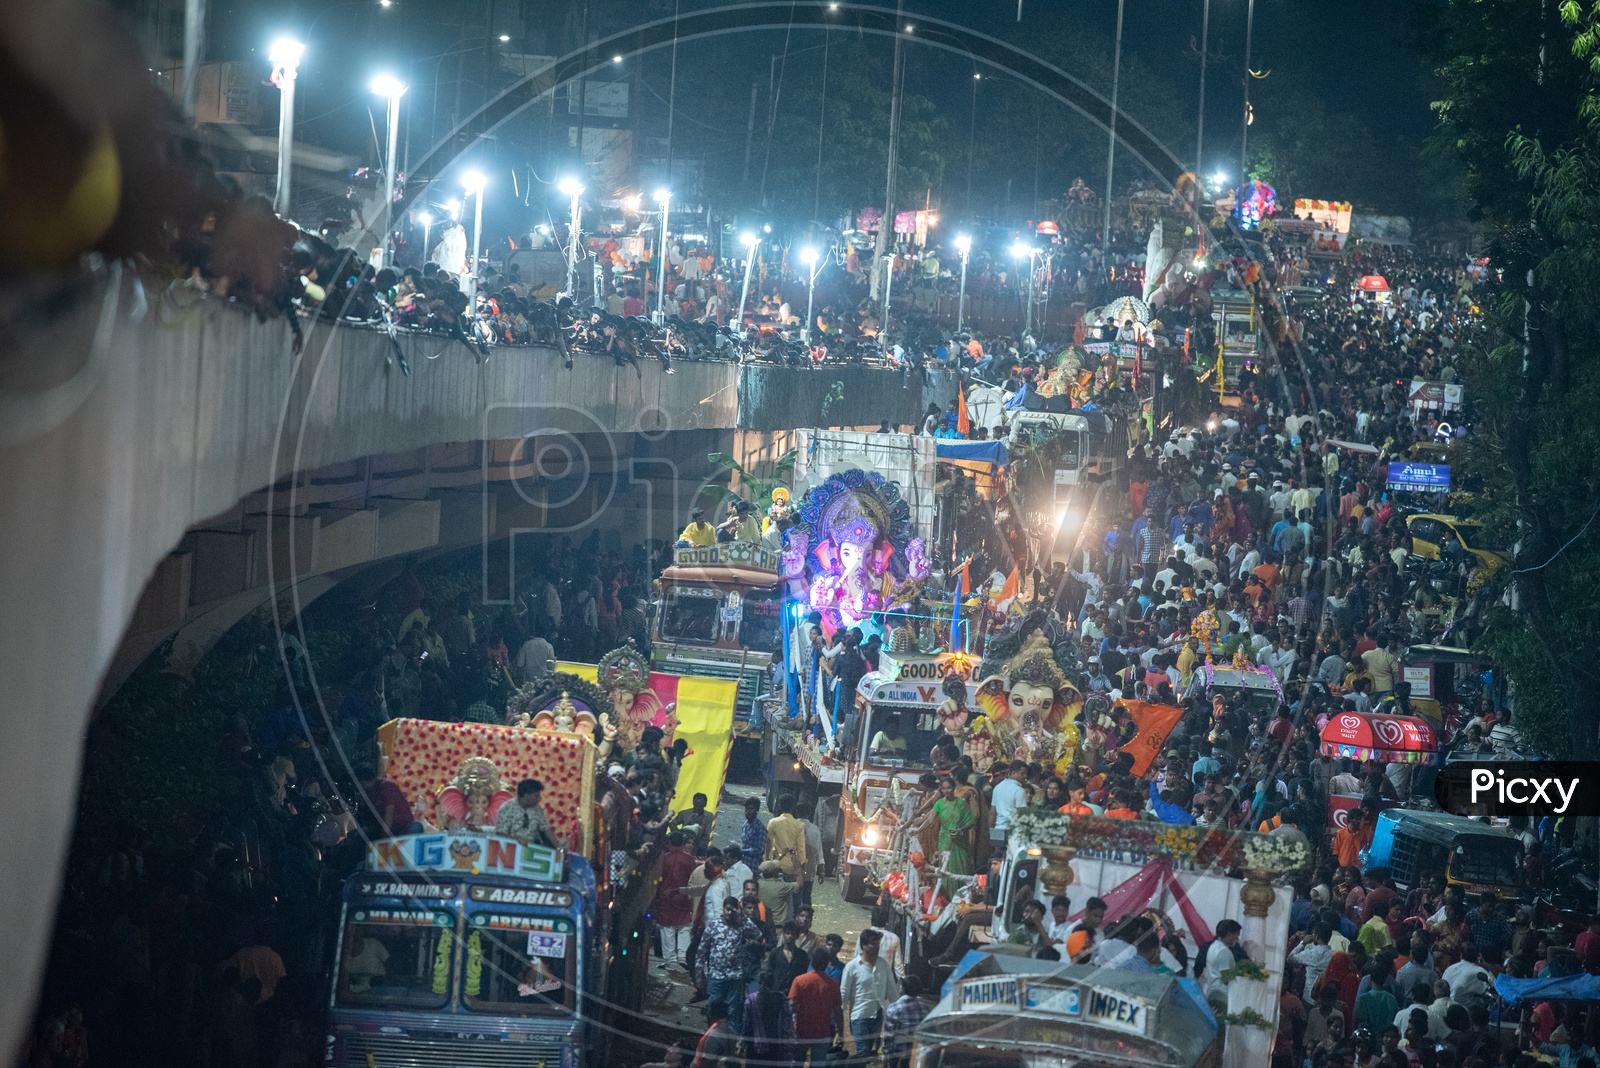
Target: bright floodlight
1221, 177
570, 187
976, 76
808, 255
616, 59
1022, 250
473, 182
425, 218
504, 37
286, 52
1065, 518
663, 195
963, 243
632, 203
749, 240
388, 85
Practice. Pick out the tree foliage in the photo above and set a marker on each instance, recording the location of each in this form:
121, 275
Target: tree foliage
1519, 111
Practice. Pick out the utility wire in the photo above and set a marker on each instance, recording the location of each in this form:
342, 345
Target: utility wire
1564, 548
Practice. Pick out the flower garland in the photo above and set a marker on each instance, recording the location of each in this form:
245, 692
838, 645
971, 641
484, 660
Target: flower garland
1247, 969
1250, 1018
1200, 846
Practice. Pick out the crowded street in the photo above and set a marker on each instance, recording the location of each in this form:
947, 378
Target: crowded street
627, 571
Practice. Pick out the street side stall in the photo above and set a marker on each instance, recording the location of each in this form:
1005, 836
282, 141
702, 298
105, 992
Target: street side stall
1184, 879
1015, 1010
1410, 741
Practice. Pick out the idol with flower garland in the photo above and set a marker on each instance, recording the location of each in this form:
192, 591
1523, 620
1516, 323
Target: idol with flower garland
852, 551
1028, 699
567, 703
624, 675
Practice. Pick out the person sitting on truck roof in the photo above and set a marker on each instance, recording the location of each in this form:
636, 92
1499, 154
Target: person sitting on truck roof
888, 743
525, 819
699, 533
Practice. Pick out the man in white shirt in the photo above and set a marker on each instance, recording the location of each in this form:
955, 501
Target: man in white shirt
1009, 795
1315, 953
1249, 563
866, 988
536, 660
1468, 981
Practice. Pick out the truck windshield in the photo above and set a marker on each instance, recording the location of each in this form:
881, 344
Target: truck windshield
901, 735
528, 965
1487, 860
762, 629
396, 957
691, 614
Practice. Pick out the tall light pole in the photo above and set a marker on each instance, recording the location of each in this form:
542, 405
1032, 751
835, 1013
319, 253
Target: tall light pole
1200, 132
426, 219
1244, 127
664, 198
1111, 141
963, 246
972, 138
573, 188
1023, 250
285, 56
808, 256
750, 242
473, 182
391, 89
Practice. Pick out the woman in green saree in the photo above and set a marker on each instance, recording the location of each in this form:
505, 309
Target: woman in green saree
955, 820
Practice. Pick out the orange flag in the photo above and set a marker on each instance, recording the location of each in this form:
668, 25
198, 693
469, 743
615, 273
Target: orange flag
1155, 722
1078, 331
963, 422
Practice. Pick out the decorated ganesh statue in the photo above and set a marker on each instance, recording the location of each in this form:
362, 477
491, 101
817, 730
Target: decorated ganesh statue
472, 798
1029, 704
566, 704
852, 551
624, 675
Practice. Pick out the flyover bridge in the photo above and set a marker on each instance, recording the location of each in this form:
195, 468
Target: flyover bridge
151, 439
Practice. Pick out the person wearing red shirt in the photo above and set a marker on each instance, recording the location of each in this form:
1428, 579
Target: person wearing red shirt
1587, 947
1281, 729
1352, 838
814, 1001
673, 911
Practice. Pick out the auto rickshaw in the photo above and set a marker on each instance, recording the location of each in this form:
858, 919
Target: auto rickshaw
1445, 681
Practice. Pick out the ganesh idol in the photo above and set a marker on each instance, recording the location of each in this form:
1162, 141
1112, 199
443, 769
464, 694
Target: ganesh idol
1030, 706
852, 552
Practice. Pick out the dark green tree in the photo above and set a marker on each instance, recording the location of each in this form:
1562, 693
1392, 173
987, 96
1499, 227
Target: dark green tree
1520, 111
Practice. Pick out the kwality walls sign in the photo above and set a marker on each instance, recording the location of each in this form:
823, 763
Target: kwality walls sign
1534, 788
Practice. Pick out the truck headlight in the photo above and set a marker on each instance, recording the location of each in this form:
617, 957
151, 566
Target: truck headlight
869, 836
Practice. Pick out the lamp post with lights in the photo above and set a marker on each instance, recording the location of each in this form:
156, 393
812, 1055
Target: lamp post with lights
391, 89
473, 182
750, 243
963, 246
1023, 250
285, 56
664, 198
808, 256
573, 188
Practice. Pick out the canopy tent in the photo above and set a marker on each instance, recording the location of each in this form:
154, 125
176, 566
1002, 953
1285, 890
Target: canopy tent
1372, 736
980, 459
1580, 987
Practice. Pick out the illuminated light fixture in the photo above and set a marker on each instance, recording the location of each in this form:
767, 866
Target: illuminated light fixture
748, 240
869, 836
632, 203
570, 187
963, 243
1035, 851
616, 59
808, 256
663, 195
473, 182
504, 37
976, 76
286, 52
387, 85
1022, 250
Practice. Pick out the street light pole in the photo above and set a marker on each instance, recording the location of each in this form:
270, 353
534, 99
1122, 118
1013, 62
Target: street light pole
808, 256
474, 182
964, 246
750, 242
285, 56
1200, 133
664, 198
574, 189
1021, 250
1111, 141
392, 89
1244, 129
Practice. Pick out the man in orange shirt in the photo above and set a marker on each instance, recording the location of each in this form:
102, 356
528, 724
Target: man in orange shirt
1267, 572
1352, 838
1126, 807
974, 349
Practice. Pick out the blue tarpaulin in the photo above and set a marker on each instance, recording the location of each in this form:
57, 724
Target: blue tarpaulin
1581, 987
988, 452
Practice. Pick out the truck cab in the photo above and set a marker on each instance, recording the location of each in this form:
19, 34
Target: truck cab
462, 949
887, 745
721, 616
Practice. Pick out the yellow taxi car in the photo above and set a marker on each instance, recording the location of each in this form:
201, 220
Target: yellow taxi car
1431, 536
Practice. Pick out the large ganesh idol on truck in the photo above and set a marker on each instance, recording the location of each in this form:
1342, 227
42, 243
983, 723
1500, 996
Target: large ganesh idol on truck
853, 551
1028, 704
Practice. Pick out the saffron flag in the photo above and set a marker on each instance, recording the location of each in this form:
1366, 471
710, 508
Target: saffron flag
1002, 599
1079, 334
1155, 722
963, 420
